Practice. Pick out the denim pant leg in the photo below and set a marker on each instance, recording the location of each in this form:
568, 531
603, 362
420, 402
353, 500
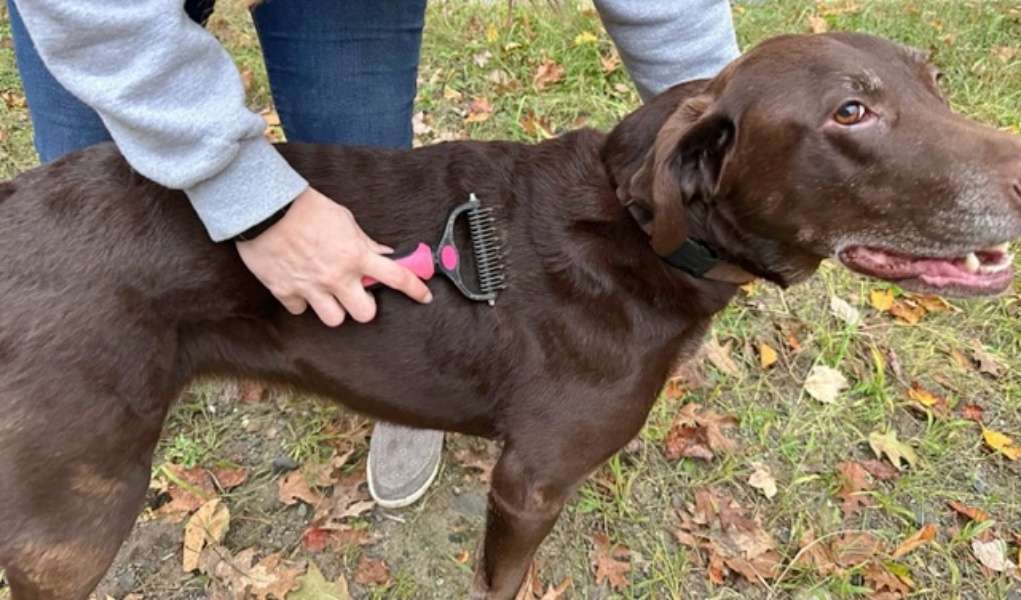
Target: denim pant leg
343, 72
62, 123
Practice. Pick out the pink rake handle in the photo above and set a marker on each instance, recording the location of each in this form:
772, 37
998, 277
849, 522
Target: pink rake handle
419, 260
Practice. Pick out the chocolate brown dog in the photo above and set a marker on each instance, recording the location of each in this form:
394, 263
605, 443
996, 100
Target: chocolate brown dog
619, 249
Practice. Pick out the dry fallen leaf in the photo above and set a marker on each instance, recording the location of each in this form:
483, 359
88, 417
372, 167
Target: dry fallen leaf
880, 470
992, 554
206, 527
479, 110
686, 377
420, 124
12, 99
843, 310
881, 300
936, 404
492, 33
481, 460
698, 433
555, 593
719, 356
855, 481
371, 570
894, 449
975, 514
720, 530
767, 355
482, 58
272, 132
611, 562
191, 488
250, 391
961, 360
762, 480
1003, 444
547, 73
816, 553
887, 581
987, 363
972, 411
609, 63
856, 547
225, 478
907, 310
886, 585
293, 487
825, 384
931, 303
268, 577
315, 587
536, 126
315, 538
916, 539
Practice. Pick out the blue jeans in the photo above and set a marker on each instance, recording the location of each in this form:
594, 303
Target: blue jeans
341, 72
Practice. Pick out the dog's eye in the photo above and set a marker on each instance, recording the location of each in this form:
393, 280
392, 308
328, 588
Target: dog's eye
850, 113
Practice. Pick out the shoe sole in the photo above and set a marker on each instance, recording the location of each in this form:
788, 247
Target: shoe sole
407, 500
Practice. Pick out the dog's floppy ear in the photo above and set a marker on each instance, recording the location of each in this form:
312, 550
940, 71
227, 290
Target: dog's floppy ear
685, 162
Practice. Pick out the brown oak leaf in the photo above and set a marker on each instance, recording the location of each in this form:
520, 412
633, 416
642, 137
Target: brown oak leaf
855, 480
371, 570
698, 434
732, 542
611, 561
975, 514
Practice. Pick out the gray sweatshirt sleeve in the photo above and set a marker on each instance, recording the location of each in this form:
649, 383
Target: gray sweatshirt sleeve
172, 99
663, 42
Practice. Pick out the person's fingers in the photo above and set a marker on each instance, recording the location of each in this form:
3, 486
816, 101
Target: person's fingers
316, 255
377, 247
398, 277
294, 304
358, 302
329, 310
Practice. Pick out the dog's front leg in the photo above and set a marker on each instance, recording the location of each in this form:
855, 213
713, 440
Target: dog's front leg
524, 503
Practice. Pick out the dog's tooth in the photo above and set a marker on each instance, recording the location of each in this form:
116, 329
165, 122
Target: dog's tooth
1004, 247
972, 263
1004, 263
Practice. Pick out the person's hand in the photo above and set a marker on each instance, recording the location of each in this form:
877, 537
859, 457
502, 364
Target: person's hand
316, 254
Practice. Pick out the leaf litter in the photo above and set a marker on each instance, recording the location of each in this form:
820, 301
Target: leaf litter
698, 433
726, 540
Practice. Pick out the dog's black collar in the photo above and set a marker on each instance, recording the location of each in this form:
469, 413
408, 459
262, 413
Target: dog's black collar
699, 260
693, 257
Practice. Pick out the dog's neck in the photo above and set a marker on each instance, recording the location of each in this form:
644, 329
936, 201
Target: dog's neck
699, 259
696, 257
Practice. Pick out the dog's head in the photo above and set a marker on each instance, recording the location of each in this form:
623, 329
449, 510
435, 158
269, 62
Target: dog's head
830, 145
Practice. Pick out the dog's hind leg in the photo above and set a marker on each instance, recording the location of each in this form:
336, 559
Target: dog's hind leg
76, 443
69, 504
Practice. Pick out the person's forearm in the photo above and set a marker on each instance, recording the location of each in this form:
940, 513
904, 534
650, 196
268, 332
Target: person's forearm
663, 42
172, 100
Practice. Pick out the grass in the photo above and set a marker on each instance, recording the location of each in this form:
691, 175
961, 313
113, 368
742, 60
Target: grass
478, 80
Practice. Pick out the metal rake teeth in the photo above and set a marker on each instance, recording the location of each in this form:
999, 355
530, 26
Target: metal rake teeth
487, 249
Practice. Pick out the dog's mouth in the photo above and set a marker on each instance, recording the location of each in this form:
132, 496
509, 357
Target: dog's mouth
980, 272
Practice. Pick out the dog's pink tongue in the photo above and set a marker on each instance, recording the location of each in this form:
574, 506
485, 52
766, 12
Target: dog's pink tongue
936, 272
